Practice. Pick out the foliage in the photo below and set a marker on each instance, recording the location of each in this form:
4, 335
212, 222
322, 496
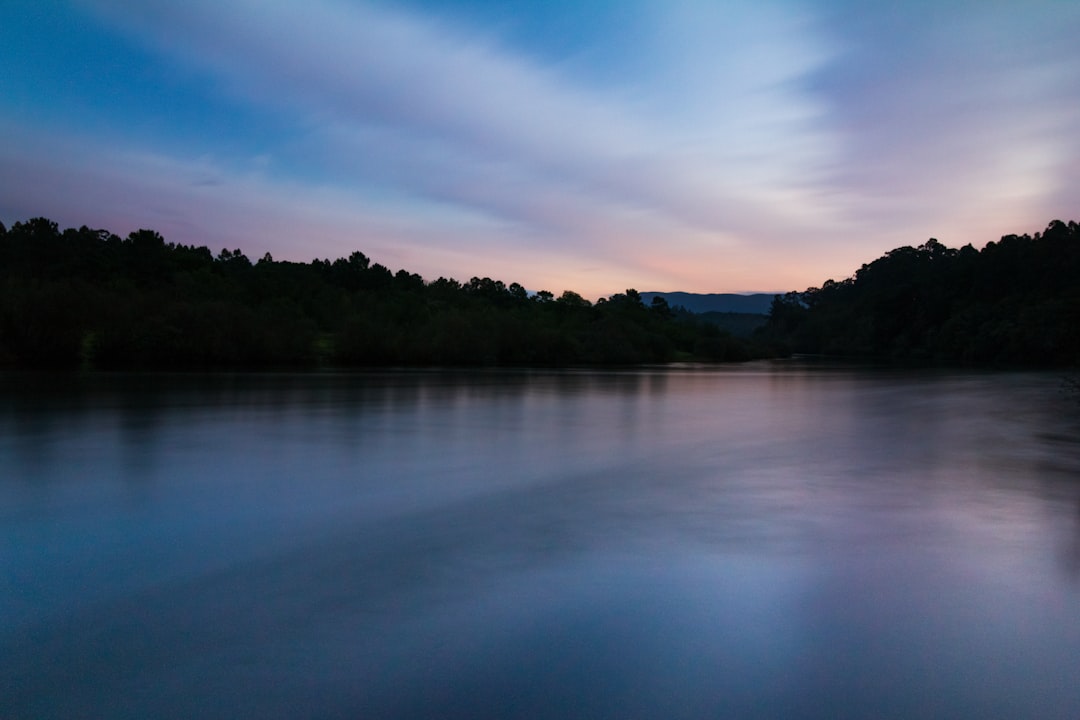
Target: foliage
1017, 301
89, 297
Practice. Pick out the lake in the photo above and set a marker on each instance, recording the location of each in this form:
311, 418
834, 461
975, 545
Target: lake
770, 540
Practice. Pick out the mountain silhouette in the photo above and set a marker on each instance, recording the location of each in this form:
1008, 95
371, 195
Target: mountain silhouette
755, 303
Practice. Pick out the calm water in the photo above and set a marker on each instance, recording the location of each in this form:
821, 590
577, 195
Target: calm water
764, 541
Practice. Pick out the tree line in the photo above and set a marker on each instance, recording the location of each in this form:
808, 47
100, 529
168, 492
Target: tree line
1015, 302
86, 297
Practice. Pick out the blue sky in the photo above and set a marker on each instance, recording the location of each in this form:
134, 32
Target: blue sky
663, 145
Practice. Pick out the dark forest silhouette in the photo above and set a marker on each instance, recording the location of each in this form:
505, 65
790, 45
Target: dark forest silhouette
83, 297
1015, 302
87, 297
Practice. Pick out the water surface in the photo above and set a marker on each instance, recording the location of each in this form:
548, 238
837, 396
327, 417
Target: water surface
770, 540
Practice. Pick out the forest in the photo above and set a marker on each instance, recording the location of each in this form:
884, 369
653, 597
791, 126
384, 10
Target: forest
87, 298
1016, 302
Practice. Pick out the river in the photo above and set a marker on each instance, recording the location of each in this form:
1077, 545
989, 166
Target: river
770, 540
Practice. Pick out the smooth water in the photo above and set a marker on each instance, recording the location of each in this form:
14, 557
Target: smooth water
764, 541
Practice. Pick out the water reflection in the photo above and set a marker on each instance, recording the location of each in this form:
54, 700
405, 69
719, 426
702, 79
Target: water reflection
762, 541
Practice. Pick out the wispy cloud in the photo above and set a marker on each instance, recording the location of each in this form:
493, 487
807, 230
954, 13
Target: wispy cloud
956, 115
737, 146
448, 104
202, 202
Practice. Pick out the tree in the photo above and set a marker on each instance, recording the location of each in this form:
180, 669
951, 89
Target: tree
569, 298
86, 295
660, 306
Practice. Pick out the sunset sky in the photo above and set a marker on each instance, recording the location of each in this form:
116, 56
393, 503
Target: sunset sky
692, 145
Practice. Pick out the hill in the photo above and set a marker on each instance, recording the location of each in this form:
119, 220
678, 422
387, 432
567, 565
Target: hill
753, 303
1015, 302
84, 297
742, 325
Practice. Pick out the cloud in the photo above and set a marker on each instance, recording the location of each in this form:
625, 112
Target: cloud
960, 116
202, 202
735, 146
449, 102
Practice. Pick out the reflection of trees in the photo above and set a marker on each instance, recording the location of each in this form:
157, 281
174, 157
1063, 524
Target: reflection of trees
52, 420
1063, 490
38, 410
1071, 552
1071, 384
139, 421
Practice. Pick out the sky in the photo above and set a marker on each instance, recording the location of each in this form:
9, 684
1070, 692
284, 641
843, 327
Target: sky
590, 145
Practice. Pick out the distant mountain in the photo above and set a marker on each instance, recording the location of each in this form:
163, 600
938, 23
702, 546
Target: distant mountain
756, 303
738, 324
